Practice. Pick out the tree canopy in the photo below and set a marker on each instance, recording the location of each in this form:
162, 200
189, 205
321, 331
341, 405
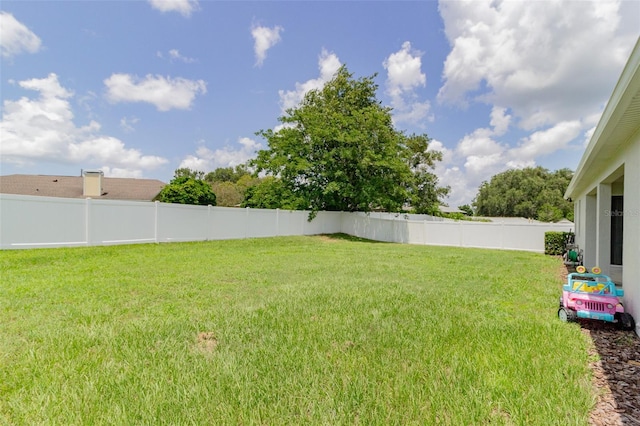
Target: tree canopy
187, 187
271, 193
230, 184
530, 192
338, 150
227, 174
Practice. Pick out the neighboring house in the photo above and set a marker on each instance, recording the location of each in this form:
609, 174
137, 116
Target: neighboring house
447, 209
92, 184
605, 188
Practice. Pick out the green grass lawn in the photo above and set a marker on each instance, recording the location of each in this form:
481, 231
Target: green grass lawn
288, 330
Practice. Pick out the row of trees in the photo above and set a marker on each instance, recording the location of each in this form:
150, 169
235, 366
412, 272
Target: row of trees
533, 192
339, 151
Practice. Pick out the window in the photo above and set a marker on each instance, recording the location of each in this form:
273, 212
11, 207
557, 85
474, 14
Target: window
617, 219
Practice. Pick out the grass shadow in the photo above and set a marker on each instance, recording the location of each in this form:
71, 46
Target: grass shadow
346, 237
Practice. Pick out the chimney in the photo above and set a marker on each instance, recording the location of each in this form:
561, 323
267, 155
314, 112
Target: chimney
92, 183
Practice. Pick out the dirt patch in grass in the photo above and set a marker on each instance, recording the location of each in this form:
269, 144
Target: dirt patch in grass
614, 359
207, 342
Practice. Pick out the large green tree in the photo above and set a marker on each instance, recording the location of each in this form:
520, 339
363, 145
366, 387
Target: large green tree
533, 192
188, 187
338, 150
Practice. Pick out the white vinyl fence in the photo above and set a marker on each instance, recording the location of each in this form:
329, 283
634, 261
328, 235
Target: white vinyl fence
496, 235
32, 222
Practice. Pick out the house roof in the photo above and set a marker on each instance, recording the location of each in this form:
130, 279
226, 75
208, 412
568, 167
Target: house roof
620, 120
447, 209
72, 187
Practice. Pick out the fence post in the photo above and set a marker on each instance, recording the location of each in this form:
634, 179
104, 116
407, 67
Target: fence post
277, 222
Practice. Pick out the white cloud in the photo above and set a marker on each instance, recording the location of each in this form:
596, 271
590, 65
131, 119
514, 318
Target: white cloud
436, 145
499, 120
207, 160
328, 63
121, 173
404, 76
587, 136
461, 191
404, 72
482, 166
110, 150
126, 124
281, 126
451, 175
175, 55
536, 58
42, 129
165, 93
15, 37
547, 141
479, 142
184, 7
264, 39
478, 156
415, 113
547, 68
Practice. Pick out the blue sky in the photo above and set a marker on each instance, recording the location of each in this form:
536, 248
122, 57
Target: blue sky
140, 88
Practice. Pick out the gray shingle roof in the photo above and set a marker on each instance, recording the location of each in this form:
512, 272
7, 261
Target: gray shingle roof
72, 186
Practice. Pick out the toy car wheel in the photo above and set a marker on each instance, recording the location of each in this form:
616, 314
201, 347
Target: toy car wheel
567, 315
625, 321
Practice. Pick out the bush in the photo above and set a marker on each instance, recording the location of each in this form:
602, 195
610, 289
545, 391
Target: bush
555, 242
187, 190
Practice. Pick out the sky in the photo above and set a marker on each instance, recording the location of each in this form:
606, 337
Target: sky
141, 88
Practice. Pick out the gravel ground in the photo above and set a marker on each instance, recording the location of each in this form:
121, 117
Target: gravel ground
615, 363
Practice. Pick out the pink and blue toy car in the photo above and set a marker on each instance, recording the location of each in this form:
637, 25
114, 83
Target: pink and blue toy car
593, 296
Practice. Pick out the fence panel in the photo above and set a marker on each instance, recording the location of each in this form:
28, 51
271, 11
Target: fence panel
291, 222
323, 223
262, 223
27, 222
524, 237
120, 222
442, 233
364, 226
228, 223
179, 222
478, 234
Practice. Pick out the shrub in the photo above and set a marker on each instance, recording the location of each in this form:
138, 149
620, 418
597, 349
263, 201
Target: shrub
555, 242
